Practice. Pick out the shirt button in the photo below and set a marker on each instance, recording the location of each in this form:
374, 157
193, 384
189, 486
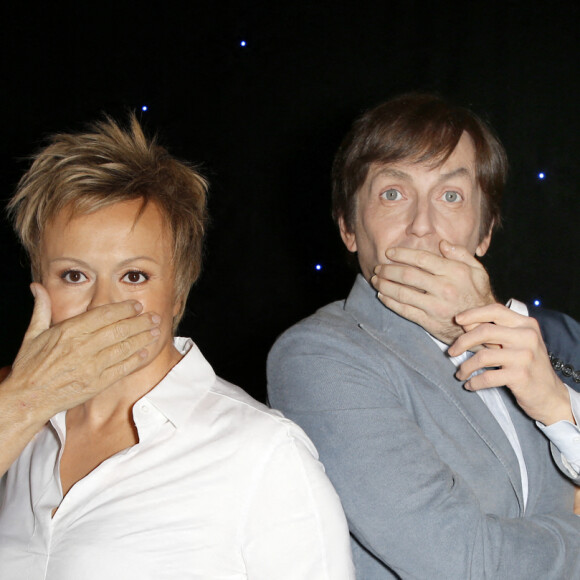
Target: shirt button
576, 439
145, 409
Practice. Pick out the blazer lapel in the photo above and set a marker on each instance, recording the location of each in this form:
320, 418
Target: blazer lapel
417, 350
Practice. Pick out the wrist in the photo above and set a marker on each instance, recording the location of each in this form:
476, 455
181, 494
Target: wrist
561, 410
18, 411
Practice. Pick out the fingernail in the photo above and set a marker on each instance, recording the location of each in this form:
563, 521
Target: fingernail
373, 279
138, 306
155, 318
467, 385
155, 332
391, 252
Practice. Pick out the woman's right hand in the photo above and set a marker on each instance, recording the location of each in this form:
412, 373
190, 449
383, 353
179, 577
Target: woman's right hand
62, 366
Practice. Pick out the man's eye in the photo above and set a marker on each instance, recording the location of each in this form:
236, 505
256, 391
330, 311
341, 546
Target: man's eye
452, 196
73, 276
391, 194
135, 277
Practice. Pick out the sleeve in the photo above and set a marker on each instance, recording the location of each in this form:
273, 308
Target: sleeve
561, 334
563, 435
566, 438
403, 503
295, 526
517, 306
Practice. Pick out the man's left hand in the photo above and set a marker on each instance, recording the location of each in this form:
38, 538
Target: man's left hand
521, 363
431, 290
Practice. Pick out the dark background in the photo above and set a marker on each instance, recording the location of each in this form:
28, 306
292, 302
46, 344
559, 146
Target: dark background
264, 121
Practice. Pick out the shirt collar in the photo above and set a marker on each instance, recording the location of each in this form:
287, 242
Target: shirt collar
174, 397
177, 394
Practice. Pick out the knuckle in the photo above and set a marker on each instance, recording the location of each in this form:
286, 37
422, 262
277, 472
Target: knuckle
404, 294
486, 379
114, 373
111, 312
78, 385
483, 358
118, 371
449, 292
120, 350
65, 349
423, 259
119, 331
530, 336
464, 270
527, 357
64, 331
407, 275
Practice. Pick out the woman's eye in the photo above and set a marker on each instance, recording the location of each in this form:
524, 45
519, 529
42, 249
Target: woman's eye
452, 196
135, 277
73, 276
392, 194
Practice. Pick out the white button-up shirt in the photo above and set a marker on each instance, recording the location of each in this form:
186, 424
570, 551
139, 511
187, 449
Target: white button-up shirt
218, 487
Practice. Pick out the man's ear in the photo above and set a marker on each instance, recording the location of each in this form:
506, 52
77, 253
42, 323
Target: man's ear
347, 236
484, 244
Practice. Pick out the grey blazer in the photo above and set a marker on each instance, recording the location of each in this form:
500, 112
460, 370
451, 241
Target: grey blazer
562, 337
430, 484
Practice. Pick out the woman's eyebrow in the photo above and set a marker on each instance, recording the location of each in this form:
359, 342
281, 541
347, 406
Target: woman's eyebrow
87, 265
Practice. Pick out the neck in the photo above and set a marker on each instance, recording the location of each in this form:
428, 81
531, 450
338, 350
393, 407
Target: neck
118, 400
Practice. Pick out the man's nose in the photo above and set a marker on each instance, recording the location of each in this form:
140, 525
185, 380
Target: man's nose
421, 219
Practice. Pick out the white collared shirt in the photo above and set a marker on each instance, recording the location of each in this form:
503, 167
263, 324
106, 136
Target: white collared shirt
218, 487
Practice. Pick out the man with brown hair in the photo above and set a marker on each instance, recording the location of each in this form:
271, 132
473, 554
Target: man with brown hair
439, 478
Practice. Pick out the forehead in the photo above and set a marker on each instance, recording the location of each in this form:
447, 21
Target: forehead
129, 213
460, 163
118, 222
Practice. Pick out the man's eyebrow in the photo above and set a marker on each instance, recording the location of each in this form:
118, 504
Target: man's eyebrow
393, 173
403, 175
459, 172
390, 172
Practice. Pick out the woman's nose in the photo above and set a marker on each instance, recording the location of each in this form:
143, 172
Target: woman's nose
104, 292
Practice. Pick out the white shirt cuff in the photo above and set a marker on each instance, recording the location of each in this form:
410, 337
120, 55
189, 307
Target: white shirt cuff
517, 306
566, 436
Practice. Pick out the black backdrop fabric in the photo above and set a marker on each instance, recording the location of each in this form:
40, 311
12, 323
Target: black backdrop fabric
259, 94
